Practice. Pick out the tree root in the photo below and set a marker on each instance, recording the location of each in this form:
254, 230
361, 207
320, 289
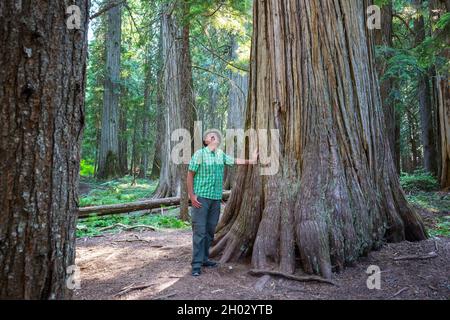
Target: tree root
291, 277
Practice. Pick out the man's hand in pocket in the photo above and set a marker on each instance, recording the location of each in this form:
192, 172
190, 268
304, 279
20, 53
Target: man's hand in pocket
195, 202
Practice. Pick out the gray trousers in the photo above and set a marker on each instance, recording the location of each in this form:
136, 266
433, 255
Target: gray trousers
204, 223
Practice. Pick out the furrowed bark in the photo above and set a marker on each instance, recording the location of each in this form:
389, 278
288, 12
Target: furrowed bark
42, 86
337, 194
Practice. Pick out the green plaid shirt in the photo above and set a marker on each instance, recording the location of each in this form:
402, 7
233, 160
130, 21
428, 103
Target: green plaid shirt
208, 167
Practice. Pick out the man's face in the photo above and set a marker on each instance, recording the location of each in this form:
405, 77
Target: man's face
212, 139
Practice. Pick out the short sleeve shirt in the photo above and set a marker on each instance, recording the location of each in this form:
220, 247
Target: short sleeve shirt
209, 169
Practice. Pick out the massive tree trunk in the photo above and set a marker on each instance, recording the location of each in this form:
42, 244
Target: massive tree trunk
383, 38
108, 166
178, 99
336, 195
424, 96
441, 93
42, 84
237, 102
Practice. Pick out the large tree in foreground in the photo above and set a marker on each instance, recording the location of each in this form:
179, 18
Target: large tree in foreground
337, 194
42, 81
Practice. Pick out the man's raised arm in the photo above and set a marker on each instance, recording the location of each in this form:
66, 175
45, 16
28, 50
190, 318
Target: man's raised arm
253, 160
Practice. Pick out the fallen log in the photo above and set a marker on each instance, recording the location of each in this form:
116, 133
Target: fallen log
134, 206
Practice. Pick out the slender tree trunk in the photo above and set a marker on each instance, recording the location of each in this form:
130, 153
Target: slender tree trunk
156, 163
383, 38
123, 140
146, 119
336, 195
441, 94
214, 117
425, 105
397, 141
406, 155
42, 85
178, 100
160, 124
187, 105
143, 167
237, 103
97, 148
169, 180
136, 145
109, 166
413, 138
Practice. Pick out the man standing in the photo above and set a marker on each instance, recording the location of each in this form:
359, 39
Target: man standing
205, 188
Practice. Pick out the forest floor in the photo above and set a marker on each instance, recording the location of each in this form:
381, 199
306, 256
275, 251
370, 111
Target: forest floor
160, 262
118, 264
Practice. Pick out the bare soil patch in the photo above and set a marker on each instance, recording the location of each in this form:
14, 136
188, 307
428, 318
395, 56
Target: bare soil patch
156, 265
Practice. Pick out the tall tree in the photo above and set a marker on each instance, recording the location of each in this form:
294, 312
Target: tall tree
441, 91
187, 102
336, 195
413, 138
169, 180
109, 166
159, 114
123, 139
214, 119
178, 98
237, 102
424, 97
136, 143
383, 39
443, 96
149, 80
237, 96
42, 83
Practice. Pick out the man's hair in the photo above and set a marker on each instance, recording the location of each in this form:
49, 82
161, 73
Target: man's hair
217, 132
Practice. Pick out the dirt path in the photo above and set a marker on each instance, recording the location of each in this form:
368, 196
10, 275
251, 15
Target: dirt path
111, 263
